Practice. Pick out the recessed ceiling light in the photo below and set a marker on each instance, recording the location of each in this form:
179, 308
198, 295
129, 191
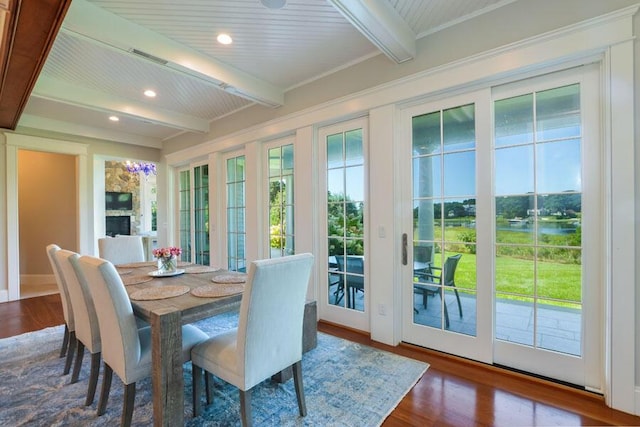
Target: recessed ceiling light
224, 38
150, 93
114, 118
274, 4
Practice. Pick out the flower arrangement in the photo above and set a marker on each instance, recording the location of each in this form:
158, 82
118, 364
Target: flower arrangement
167, 258
167, 252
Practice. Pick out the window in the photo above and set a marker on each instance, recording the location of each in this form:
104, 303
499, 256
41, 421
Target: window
281, 203
236, 213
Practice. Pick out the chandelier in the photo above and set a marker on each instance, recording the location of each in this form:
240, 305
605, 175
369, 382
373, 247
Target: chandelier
146, 167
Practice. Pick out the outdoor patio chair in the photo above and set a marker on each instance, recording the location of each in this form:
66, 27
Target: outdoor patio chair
431, 284
354, 279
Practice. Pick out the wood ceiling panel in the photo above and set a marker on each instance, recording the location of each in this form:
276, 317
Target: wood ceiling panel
31, 28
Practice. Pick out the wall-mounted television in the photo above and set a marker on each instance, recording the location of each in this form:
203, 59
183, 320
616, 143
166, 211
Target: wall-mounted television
118, 201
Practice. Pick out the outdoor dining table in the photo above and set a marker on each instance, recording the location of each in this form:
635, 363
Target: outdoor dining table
166, 316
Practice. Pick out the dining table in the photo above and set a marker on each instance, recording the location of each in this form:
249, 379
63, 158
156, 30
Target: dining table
154, 299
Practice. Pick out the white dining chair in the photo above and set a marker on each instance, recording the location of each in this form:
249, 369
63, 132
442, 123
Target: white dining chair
268, 338
125, 348
121, 249
69, 338
86, 320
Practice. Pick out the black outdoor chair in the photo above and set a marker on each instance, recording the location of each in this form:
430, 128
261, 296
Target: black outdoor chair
354, 279
431, 284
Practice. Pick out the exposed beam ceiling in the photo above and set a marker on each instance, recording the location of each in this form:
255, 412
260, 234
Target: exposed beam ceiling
380, 23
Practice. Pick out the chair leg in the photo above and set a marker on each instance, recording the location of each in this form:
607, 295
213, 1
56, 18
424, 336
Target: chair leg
459, 305
93, 378
106, 387
245, 408
208, 384
70, 350
196, 372
297, 381
129, 400
65, 341
78, 365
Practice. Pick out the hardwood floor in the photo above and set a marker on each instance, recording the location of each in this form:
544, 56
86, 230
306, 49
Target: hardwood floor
453, 392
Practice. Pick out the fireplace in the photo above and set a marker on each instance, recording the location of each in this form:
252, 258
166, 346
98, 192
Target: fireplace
118, 225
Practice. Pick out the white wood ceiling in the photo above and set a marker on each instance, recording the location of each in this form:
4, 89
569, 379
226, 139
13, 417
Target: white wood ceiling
91, 72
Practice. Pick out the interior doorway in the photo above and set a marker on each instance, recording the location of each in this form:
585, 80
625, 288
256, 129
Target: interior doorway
47, 214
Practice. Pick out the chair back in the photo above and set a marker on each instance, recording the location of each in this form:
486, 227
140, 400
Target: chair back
271, 316
449, 272
121, 249
67, 310
84, 312
121, 348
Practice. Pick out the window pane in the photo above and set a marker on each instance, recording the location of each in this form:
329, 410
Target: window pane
460, 174
515, 270
458, 128
354, 183
426, 177
559, 277
335, 151
513, 222
514, 120
426, 134
287, 159
558, 113
423, 219
565, 339
560, 222
274, 162
514, 170
353, 150
335, 184
231, 170
513, 319
558, 166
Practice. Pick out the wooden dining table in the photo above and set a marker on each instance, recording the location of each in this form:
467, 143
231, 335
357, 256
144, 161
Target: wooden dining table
166, 316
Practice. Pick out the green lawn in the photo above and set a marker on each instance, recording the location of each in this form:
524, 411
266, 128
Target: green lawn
559, 281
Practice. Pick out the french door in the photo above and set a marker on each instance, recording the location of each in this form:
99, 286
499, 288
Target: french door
503, 181
343, 184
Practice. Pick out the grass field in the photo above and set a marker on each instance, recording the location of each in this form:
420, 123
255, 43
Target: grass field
557, 280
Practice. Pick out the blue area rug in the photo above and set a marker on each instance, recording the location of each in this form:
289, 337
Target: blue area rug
346, 384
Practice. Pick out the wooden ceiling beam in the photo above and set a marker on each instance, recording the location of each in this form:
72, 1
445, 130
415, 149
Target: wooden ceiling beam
30, 28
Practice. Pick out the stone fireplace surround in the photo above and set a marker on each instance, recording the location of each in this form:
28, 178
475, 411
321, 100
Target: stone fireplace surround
117, 178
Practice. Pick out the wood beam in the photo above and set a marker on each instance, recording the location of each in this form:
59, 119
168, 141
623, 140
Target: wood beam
30, 28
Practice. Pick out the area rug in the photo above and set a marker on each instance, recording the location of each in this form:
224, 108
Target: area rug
346, 384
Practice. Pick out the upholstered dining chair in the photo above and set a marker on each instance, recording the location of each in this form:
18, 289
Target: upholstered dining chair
69, 338
125, 348
86, 320
268, 338
121, 249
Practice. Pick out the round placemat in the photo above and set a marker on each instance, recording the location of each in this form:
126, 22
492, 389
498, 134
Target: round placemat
218, 290
229, 278
195, 269
135, 280
124, 271
160, 292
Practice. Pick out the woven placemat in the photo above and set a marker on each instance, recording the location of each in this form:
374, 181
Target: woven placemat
124, 271
229, 278
160, 292
136, 264
218, 290
195, 269
135, 280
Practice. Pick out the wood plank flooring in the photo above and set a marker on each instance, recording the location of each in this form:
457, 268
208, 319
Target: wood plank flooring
453, 392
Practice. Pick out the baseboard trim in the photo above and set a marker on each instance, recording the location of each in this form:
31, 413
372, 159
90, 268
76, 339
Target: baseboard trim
4, 295
637, 408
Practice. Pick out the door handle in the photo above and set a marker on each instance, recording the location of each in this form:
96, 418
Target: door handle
404, 248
